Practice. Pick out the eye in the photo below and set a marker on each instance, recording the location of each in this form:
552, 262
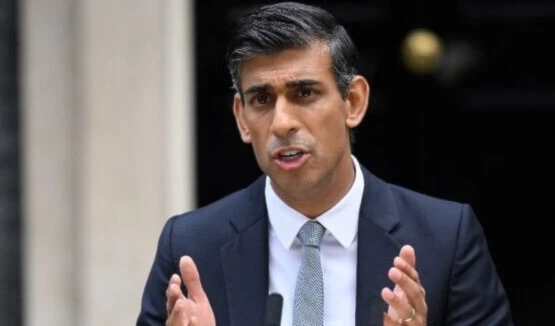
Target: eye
306, 92
261, 98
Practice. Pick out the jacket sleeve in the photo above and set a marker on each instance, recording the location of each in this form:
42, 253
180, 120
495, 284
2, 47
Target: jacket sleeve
153, 304
477, 296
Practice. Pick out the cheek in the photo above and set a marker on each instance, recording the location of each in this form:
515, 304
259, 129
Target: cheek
333, 128
258, 142
259, 126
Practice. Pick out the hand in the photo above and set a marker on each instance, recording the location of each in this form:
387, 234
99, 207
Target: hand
407, 301
194, 310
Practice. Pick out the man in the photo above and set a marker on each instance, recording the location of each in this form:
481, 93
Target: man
336, 242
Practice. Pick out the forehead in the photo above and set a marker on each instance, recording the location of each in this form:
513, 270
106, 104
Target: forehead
313, 62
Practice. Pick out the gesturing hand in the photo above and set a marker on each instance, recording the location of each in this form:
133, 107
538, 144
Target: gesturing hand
407, 301
194, 310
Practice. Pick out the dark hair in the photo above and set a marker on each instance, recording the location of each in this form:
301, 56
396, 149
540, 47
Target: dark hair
288, 25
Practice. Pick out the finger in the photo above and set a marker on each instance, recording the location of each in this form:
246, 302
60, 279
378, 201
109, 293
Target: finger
173, 292
175, 279
412, 289
402, 308
408, 254
178, 314
191, 278
389, 321
406, 268
194, 321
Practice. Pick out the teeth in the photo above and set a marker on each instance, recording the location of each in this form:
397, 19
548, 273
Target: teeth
290, 153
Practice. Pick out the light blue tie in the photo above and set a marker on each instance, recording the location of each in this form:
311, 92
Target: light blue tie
308, 305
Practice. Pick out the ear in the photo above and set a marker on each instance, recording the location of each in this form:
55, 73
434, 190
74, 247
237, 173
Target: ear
238, 111
357, 101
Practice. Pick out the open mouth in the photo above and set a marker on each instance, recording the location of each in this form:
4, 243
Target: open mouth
290, 155
291, 159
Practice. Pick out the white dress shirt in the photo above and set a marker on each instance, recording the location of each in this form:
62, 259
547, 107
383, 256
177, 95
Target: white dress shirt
338, 252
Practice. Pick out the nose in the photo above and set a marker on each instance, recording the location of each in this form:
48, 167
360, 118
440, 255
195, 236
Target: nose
285, 121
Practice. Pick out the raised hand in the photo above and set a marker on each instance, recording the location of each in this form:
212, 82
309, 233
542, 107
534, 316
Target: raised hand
407, 301
194, 310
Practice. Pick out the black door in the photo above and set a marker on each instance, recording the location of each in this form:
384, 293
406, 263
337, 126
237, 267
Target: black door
11, 298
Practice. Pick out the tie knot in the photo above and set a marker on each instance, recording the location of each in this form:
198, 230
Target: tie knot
311, 234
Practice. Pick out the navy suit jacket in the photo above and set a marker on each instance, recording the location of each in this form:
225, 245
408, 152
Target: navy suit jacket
228, 240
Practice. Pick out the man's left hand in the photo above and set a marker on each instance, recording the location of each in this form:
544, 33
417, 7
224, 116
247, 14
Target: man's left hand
407, 301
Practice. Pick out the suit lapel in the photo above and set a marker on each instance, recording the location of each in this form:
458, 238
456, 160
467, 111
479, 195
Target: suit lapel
245, 259
376, 249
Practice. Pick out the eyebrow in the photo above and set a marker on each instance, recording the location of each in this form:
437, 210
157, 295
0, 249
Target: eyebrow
257, 89
291, 84
301, 83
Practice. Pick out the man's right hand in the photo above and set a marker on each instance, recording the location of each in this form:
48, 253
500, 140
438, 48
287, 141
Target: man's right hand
194, 310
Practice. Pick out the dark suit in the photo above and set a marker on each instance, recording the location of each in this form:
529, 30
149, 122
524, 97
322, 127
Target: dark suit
228, 240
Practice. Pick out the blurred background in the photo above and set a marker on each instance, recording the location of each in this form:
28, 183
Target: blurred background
115, 115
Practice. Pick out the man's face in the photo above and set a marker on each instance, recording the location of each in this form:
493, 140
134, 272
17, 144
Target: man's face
296, 119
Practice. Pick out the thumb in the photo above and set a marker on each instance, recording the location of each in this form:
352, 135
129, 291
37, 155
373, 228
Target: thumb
191, 278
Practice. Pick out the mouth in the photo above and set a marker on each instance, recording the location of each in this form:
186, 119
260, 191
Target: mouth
290, 159
289, 155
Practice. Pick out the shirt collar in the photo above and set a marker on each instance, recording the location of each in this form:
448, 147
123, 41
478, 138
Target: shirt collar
341, 221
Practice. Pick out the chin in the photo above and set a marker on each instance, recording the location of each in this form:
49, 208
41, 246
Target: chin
294, 182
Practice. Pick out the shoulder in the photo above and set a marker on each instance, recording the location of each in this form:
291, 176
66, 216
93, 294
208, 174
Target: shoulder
416, 213
438, 225
213, 221
406, 200
217, 211
423, 204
